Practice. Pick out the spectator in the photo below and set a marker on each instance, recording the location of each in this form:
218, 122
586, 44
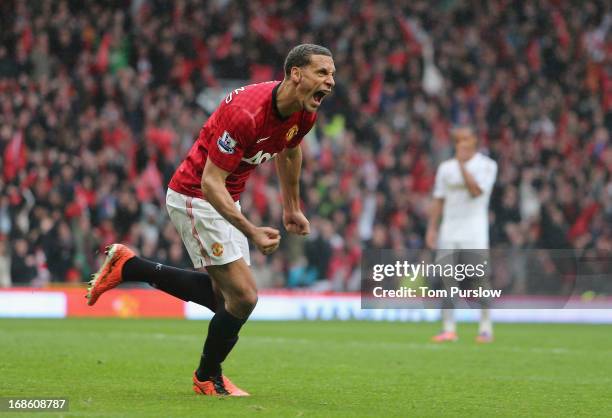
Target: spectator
23, 263
5, 264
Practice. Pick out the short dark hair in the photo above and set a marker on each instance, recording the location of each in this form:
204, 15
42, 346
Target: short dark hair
466, 126
300, 55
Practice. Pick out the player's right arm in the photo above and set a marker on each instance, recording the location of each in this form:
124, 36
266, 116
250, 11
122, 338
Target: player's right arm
213, 185
234, 127
435, 213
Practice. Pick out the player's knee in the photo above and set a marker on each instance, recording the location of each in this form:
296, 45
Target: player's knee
248, 300
244, 302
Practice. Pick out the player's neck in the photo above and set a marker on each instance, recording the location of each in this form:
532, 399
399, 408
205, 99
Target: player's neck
286, 99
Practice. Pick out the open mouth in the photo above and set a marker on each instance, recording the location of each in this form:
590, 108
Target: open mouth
319, 95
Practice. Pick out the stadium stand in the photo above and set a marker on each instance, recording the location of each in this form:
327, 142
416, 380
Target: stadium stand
99, 102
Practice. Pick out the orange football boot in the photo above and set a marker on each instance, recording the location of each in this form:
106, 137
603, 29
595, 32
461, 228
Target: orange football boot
109, 275
484, 338
444, 337
217, 386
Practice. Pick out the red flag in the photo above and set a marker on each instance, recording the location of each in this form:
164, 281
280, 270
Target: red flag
225, 43
561, 28
102, 57
375, 93
150, 185
581, 225
14, 156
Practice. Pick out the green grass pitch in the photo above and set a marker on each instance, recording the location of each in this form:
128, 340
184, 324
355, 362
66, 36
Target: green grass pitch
142, 368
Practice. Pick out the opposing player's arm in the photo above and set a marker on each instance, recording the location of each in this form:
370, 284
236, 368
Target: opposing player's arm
213, 185
470, 182
435, 213
481, 181
437, 204
288, 167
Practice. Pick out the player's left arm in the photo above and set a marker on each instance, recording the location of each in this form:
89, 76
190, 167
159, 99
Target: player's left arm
480, 182
288, 167
470, 182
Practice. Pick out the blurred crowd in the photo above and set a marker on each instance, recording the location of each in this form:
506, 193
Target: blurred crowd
99, 102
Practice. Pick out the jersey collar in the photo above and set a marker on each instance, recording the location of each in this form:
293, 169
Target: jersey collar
275, 106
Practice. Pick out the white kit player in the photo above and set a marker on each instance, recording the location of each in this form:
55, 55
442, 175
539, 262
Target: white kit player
459, 215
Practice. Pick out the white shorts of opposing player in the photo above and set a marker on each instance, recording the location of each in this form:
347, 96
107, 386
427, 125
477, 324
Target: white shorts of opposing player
209, 238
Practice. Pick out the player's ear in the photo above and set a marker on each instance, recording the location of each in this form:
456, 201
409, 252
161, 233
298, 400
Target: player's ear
296, 74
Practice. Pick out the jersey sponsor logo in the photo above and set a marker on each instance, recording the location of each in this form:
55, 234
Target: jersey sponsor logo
226, 143
217, 249
291, 133
259, 158
262, 139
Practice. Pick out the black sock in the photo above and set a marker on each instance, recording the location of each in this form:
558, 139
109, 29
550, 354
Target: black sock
222, 337
188, 285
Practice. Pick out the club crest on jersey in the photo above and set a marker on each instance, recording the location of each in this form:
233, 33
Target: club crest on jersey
217, 249
226, 143
291, 133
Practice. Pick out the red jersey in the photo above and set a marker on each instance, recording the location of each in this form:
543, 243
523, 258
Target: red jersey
245, 130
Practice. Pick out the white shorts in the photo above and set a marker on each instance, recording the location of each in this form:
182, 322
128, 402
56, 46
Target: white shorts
462, 245
209, 238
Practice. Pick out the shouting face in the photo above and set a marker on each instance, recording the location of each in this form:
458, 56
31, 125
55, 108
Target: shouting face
314, 81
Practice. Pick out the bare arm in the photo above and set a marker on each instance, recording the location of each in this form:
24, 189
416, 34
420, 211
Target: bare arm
288, 167
435, 213
470, 182
213, 186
